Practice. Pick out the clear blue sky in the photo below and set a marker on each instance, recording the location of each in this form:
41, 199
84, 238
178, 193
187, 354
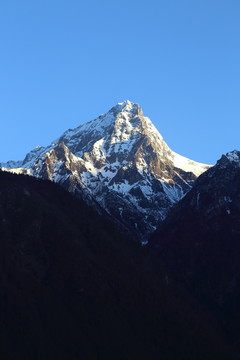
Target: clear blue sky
64, 62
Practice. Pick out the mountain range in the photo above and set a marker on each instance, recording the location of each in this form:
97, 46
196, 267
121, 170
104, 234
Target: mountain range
118, 163
75, 282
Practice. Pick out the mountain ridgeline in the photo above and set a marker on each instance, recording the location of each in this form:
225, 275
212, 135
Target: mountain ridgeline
75, 282
120, 165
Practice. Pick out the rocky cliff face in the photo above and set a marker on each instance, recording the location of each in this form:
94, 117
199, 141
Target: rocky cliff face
118, 162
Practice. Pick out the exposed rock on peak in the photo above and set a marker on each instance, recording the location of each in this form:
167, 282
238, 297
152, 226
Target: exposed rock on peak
127, 106
232, 157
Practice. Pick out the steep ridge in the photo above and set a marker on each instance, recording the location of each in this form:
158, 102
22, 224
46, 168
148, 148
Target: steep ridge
199, 243
72, 287
120, 162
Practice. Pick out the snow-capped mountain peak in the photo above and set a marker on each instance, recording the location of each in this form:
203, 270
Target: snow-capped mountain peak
120, 162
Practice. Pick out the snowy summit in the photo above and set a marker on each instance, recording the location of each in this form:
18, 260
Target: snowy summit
120, 163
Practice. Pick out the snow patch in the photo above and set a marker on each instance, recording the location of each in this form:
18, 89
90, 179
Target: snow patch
18, 171
188, 165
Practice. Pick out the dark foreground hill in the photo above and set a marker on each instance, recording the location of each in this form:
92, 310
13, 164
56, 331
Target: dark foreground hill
199, 243
71, 287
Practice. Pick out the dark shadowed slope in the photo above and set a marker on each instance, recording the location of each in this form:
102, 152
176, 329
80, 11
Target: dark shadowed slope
199, 243
72, 288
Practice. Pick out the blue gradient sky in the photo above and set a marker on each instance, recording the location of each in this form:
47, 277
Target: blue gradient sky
64, 62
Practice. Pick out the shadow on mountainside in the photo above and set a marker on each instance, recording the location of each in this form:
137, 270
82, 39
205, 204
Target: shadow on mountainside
72, 287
